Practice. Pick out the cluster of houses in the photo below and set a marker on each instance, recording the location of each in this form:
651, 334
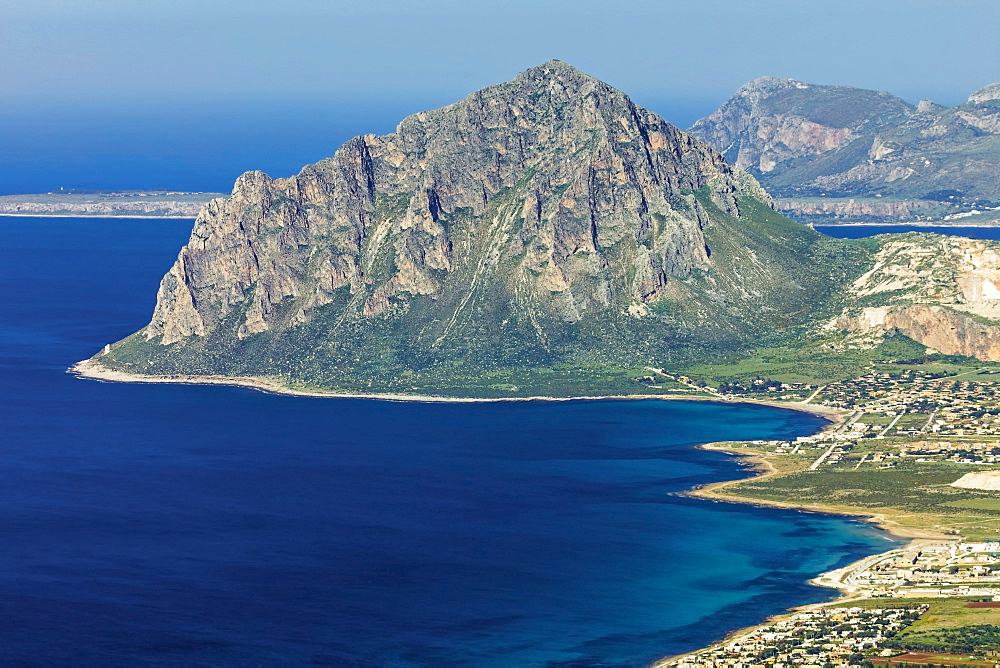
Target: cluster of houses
819, 637
900, 406
962, 453
954, 408
941, 569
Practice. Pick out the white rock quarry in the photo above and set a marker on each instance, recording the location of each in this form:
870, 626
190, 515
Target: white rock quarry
939, 291
989, 480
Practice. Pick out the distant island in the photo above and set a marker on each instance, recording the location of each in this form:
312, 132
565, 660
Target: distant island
104, 204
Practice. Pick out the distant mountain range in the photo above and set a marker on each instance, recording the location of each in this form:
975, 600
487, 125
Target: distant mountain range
541, 236
848, 153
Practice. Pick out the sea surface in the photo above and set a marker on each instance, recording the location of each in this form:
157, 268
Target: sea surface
860, 231
183, 525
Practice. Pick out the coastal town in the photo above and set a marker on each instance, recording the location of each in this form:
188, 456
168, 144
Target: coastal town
818, 637
918, 441
921, 415
924, 568
843, 634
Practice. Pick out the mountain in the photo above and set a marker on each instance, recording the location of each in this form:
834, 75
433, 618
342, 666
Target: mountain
837, 151
543, 223
541, 236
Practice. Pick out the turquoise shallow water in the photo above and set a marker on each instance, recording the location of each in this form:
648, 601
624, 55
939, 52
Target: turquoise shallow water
179, 525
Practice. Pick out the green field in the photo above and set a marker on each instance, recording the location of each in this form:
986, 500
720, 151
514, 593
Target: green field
911, 421
976, 504
917, 495
817, 362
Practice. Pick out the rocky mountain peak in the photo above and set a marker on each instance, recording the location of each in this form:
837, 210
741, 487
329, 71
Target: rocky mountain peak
557, 70
929, 107
762, 87
985, 94
515, 225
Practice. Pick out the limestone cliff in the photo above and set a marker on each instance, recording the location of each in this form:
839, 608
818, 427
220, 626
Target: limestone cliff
560, 171
771, 125
943, 292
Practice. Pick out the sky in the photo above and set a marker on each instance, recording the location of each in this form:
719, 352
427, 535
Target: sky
297, 61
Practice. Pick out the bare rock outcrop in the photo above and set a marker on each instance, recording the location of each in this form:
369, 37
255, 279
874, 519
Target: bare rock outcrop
804, 140
988, 480
584, 197
943, 292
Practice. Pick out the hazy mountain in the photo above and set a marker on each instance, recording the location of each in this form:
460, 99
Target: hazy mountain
803, 140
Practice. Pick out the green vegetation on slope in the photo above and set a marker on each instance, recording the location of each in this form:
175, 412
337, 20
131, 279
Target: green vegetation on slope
486, 343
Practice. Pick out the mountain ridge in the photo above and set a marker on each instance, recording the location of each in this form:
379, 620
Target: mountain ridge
819, 141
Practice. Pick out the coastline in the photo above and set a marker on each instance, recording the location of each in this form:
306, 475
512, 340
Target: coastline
93, 215
760, 467
756, 465
93, 370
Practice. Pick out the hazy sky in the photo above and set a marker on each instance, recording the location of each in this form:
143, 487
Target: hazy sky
188, 94
690, 52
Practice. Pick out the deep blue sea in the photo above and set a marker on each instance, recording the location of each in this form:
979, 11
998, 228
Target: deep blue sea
195, 525
860, 231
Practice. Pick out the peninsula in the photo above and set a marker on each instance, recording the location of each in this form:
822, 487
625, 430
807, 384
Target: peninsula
101, 204
542, 237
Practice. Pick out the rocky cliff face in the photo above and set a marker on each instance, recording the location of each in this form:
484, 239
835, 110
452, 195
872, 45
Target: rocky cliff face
587, 198
771, 123
802, 140
943, 292
985, 94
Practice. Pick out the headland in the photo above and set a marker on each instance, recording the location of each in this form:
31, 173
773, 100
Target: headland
107, 204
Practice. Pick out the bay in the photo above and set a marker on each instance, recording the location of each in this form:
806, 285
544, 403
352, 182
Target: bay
180, 525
